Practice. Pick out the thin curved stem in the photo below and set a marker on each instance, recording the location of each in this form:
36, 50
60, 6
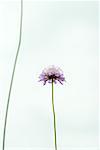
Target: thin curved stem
54, 116
12, 77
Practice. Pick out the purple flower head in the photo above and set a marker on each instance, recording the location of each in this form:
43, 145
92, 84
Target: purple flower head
52, 74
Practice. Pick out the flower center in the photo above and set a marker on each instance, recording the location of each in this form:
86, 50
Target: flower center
52, 77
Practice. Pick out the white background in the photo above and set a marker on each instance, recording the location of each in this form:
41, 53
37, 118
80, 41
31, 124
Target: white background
64, 34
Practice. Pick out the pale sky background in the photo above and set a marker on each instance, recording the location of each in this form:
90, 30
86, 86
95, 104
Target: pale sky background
62, 33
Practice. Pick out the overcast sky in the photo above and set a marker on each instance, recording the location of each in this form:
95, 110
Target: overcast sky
63, 34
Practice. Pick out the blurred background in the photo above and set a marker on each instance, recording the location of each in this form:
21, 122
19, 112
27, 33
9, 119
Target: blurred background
60, 33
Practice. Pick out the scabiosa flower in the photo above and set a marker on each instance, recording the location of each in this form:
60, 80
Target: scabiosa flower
52, 74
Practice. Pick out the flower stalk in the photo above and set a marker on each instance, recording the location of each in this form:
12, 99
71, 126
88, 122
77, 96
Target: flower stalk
54, 116
12, 77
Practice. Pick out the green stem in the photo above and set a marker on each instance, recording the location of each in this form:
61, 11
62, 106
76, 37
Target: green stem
12, 77
54, 116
